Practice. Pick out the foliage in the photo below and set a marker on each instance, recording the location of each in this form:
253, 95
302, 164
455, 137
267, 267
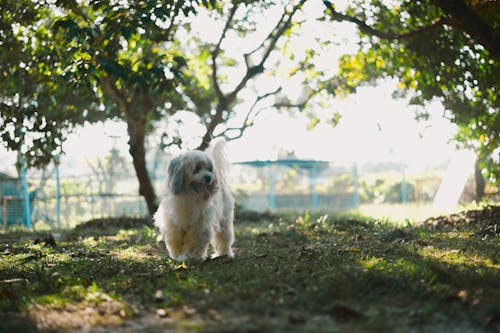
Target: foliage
384, 190
307, 273
38, 104
125, 51
433, 57
65, 63
123, 59
210, 87
70, 62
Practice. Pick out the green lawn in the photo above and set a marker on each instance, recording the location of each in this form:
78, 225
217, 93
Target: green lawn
291, 273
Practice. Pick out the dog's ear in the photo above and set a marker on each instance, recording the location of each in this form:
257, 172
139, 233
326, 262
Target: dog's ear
176, 175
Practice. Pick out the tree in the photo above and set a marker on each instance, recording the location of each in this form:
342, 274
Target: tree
88, 61
121, 60
37, 104
205, 85
126, 51
445, 50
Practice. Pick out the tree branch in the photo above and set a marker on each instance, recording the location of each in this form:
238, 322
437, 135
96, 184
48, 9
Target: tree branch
216, 51
122, 98
337, 16
273, 37
465, 18
268, 37
225, 100
110, 88
310, 93
167, 34
250, 116
459, 15
281, 30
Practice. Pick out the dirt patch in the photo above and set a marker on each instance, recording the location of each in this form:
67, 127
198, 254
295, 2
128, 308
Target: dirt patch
485, 220
253, 216
81, 316
115, 223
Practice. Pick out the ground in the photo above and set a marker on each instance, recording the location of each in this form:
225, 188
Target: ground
292, 273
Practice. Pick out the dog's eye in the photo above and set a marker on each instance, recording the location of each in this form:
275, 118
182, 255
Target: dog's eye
197, 168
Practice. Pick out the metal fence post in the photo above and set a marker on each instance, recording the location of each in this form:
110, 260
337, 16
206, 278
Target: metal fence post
26, 194
403, 188
355, 175
272, 203
58, 192
314, 180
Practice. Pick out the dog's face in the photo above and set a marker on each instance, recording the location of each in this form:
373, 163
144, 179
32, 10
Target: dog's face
192, 172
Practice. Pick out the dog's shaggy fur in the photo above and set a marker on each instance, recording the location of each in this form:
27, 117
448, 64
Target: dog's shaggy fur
197, 208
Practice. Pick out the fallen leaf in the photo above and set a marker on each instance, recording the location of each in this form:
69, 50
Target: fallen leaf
84, 281
181, 267
463, 295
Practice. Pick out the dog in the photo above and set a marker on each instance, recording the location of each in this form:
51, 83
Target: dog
197, 208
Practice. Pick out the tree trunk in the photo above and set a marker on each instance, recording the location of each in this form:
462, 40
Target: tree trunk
480, 183
205, 142
136, 132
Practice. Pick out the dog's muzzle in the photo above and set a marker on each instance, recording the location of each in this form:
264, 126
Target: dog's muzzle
205, 187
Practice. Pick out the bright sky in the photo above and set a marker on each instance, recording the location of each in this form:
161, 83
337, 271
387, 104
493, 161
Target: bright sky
374, 127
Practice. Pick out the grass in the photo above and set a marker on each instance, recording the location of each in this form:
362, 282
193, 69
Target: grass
403, 213
291, 273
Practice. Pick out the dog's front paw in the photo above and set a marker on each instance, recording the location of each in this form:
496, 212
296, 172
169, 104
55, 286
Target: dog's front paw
179, 257
223, 258
188, 258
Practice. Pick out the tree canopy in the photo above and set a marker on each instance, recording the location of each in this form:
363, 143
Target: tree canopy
119, 60
122, 50
67, 63
207, 90
76, 62
38, 103
445, 50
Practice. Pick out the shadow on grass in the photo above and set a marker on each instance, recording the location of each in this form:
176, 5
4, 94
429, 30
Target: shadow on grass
306, 273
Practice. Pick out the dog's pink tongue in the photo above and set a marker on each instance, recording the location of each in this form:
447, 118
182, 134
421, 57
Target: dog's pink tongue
205, 193
202, 189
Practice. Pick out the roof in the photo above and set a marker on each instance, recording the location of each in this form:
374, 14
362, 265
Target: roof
303, 164
4, 176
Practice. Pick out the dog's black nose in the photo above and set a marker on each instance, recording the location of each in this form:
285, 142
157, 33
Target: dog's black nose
207, 178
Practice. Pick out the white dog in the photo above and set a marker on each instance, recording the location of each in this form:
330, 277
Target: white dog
197, 208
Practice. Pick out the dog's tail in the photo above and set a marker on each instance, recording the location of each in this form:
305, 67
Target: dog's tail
218, 152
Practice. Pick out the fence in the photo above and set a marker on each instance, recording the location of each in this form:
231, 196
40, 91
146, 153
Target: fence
77, 199
12, 210
340, 201
290, 184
